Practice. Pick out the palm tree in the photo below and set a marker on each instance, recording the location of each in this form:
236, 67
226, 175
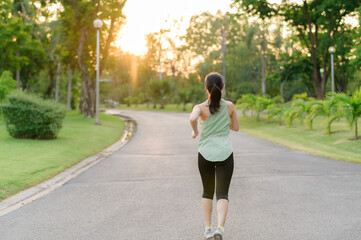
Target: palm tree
261, 104
332, 110
184, 96
300, 108
296, 110
159, 90
276, 109
351, 108
315, 108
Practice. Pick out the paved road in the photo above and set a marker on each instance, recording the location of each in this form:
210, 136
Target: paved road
151, 189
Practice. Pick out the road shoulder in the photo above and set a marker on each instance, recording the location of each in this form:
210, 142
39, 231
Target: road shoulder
31, 194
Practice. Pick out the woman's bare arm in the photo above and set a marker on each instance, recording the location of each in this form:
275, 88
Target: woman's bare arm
193, 118
233, 115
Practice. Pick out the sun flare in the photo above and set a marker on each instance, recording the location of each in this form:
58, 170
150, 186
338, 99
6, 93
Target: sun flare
143, 17
130, 42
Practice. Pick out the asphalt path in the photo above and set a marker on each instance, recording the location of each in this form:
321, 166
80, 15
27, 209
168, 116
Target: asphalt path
151, 189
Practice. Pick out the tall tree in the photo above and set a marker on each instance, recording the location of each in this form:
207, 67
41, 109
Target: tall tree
263, 48
356, 55
21, 51
207, 34
78, 17
151, 57
318, 25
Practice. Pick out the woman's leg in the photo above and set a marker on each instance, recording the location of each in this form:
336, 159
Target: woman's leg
207, 171
222, 210
207, 211
224, 171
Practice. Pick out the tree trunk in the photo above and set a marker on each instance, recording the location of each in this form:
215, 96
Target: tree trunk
18, 85
68, 99
57, 82
317, 83
51, 84
90, 111
87, 100
18, 81
224, 52
264, 62
173, 73
264, 67
356, 130
130, 88
160, 62
83, 96
116, 93
341, 79
281, 90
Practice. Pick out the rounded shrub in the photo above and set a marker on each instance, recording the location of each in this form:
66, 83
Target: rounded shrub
28, 116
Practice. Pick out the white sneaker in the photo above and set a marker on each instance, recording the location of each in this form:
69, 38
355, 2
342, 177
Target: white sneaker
208, 233
218, 234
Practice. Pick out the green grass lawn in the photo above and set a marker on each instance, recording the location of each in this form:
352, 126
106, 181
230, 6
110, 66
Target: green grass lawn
340, 145
149, 107
25, 163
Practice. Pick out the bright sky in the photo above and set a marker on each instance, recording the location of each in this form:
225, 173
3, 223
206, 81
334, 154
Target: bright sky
145, 16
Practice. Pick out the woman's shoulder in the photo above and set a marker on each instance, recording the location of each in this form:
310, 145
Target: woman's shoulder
229, 103
203, 104
230, 107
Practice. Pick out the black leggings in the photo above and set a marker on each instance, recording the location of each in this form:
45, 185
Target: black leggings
219, 172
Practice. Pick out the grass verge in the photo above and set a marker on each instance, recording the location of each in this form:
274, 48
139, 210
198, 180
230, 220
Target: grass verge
25, 163
149, 107
340, 145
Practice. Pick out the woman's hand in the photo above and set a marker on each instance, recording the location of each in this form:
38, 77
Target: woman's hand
194, 134
193, 118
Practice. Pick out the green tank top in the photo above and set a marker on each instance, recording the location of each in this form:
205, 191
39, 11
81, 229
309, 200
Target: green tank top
215, 143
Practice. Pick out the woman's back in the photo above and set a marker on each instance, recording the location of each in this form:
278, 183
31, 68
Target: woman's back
214, 143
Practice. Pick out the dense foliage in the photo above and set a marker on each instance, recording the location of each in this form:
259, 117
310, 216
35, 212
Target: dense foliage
27, 116
7, 84
306, 109
317, 25
259, 47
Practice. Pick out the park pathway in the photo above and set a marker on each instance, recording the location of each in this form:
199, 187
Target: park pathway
151, 189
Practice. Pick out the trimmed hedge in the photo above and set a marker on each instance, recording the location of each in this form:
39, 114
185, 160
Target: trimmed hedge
28, 116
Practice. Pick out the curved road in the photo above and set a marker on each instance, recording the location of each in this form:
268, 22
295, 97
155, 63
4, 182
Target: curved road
151, 189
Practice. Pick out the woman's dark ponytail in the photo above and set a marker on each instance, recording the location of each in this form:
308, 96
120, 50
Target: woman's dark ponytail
214, 84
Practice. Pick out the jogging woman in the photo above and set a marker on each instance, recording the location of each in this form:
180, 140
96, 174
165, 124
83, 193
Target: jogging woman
215, 154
